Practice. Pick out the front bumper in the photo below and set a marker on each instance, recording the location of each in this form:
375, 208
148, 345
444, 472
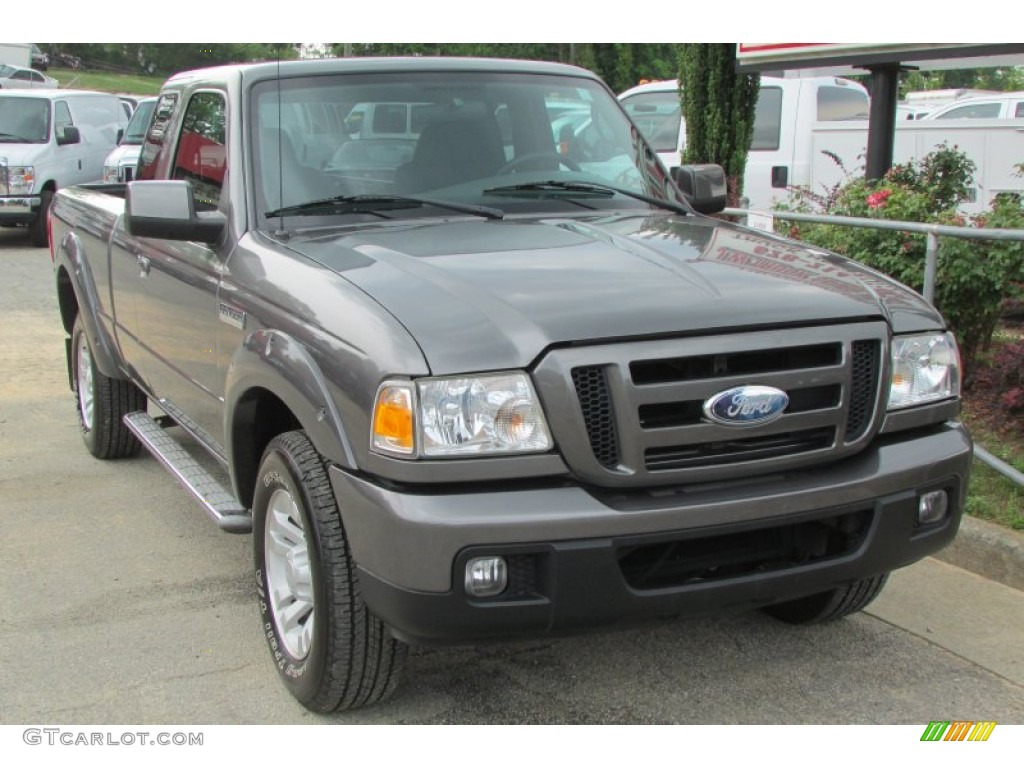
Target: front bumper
21, 209
579, 556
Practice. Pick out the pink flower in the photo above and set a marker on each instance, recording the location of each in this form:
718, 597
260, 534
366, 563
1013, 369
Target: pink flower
877, 199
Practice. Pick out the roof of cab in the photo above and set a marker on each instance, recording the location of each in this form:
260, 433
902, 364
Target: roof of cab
272, 69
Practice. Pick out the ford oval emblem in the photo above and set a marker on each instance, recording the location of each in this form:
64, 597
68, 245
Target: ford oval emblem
746, 406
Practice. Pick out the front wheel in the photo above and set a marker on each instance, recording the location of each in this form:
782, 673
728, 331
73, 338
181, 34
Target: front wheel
831, 605
40, 227
330, 651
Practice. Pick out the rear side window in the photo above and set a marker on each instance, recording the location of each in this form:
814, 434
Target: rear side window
767, 119
837, 103
1020, 109
202, 157
657, 114
971, 112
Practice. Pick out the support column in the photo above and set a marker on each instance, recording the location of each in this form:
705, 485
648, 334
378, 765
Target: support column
885, 79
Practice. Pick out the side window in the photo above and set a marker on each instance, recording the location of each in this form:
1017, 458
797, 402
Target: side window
202, 156
61, 115
21, 74
1020, 109
971, 111
767, 119
153, 146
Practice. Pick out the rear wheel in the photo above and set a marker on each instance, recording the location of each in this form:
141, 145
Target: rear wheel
102, 403
831, 605
330, 651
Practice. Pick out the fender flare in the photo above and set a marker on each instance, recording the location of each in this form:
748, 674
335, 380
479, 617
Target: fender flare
70, 258
274, 361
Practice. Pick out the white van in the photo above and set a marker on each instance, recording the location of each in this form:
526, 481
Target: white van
120, 164
51, 139
787, 109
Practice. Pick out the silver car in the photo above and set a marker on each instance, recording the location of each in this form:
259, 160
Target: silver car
22, 77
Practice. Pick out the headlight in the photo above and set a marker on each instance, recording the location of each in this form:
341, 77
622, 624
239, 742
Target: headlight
110, 174
21, 179
465, 416
924, 369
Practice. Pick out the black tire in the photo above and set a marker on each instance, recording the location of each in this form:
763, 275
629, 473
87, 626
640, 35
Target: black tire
347, 658
831, 605
102, 402
40, 230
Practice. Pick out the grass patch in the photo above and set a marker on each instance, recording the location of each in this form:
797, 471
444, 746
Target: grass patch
995, 498
141, 85
991, 496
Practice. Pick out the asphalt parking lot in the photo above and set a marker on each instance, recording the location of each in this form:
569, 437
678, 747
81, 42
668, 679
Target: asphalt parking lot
123, 604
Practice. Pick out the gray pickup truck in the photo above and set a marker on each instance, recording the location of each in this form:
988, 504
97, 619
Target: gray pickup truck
470, 365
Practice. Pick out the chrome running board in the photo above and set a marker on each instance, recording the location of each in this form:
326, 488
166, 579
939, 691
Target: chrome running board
220, 504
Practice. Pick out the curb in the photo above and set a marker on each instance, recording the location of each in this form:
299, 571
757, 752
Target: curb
989, 550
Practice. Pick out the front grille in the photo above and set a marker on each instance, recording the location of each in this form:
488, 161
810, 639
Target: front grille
591, 385
865, 364
128, 172
740, 449
732, 555
640, 418
734, 364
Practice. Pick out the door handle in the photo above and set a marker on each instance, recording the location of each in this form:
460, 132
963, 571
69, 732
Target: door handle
143, 263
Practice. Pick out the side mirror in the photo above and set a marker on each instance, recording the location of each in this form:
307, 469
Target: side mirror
68, 134
703, 186
166, 210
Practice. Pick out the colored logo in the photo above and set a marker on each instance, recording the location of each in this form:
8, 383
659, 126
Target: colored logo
958, 730
746, 406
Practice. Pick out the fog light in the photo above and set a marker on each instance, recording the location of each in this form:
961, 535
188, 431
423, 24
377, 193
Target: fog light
486, 576
932, 507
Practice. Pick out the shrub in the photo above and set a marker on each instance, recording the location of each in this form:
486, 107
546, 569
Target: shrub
974, 276
1002, 377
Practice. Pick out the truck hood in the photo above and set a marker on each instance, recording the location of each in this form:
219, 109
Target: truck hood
486, 295
123, 153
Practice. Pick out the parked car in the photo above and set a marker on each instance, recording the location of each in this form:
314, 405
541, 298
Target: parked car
50, 140
120, 163
22, 77
40, 59
1004, 105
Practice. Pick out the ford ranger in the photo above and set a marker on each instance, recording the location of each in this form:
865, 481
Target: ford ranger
483, 369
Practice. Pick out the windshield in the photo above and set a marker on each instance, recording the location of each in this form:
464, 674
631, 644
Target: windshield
135, 133
519, 143
24, 121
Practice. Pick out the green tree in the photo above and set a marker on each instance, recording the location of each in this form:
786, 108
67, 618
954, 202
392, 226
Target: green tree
718, 107
167, 58
621, 65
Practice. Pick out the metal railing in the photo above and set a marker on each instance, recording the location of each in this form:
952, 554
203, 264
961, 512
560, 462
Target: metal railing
932, 232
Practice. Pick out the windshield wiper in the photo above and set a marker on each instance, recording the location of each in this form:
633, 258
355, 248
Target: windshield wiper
15, 137
376, 203
587, 187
